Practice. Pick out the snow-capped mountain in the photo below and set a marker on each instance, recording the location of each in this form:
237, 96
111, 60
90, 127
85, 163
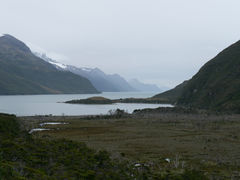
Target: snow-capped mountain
24, 73
58, 65
101, 81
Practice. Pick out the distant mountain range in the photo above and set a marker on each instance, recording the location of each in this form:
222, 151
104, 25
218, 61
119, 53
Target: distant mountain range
136, 84
25, 72
216, 86
101, 81
21, 72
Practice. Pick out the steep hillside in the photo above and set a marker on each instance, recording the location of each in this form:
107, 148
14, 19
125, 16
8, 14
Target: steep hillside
172, 95
136, 84
120, 82
101, 81
21, 72
217, 84
98, 78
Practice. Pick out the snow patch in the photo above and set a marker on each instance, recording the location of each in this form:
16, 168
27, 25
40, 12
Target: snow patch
50, 54
1, 35
49, 60
52, 123
58, 64
137, 165
86, 69
168, 160
38, 129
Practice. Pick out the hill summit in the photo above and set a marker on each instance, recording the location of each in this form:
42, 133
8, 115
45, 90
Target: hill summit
216, 86
21, 72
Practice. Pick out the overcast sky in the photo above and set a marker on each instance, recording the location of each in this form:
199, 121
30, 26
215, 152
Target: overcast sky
158, 41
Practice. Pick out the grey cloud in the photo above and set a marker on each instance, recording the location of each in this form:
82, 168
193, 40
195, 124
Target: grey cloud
154, 40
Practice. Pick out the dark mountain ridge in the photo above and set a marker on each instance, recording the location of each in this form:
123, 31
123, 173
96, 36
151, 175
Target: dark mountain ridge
101, 81
21, 72
172, 95
216, 86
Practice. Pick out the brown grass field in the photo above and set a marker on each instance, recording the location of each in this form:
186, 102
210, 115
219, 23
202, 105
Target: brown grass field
208, 142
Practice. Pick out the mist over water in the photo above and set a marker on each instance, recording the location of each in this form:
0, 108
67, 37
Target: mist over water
29, 105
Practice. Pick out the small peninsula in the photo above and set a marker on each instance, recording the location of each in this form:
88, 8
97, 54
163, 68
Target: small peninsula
103, 100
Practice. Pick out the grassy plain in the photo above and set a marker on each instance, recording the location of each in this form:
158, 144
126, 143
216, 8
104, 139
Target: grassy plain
208, 142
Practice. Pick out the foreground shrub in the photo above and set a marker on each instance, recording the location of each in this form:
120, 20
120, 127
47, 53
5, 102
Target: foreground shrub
23, 157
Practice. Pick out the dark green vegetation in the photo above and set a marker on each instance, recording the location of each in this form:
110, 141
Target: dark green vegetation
174, 110
23, 156
21, 72
216, 86
172, 95
91, 100
102, 100
142, 100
